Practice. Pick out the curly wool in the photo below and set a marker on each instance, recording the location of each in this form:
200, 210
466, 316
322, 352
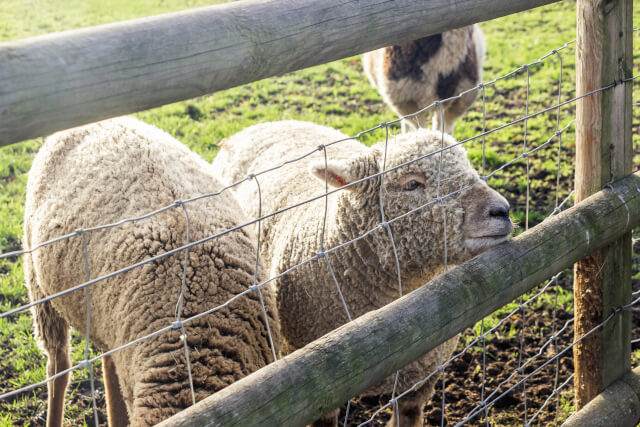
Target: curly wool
122, 168
445, 70
308, 301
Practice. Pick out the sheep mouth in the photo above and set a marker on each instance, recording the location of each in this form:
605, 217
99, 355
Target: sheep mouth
477, 244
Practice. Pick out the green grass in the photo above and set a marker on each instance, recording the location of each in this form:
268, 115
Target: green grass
335, 94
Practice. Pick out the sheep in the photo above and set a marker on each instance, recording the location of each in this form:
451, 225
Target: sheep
122, 168
308, 301
411, 76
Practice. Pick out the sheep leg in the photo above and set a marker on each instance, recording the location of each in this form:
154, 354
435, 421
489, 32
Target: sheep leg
330, 419
453, 110
116, 408
410, 123
54, 334
449, 121
410, 410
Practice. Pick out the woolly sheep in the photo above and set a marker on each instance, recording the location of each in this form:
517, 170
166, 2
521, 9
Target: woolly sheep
308, 301
122, 168
413, 75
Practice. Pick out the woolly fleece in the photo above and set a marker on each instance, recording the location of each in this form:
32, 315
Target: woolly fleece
116, 169
308, 301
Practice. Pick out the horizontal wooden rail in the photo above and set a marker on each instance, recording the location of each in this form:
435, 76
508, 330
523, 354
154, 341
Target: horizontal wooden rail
617, 406
299, 388
58, 81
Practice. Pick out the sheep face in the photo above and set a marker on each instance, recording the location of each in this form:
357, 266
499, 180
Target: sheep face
469, 215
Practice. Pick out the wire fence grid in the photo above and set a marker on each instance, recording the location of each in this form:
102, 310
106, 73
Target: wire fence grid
550, 354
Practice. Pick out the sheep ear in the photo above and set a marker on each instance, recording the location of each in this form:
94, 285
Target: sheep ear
337, 173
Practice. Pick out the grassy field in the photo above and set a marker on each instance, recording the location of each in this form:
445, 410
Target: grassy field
335, 94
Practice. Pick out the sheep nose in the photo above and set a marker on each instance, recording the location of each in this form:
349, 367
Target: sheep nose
499, 211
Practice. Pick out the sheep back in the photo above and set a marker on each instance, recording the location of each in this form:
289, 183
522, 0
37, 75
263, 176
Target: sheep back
122, 168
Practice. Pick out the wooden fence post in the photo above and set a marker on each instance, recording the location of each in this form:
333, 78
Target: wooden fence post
602, 281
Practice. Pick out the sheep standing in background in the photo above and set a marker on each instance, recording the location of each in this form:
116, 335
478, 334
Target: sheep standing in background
122, 168
413, 75
308, 301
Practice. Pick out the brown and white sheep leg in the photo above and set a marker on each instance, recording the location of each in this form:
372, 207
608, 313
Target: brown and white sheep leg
414, 122
410, 410
54, 333
453, 110
117, 409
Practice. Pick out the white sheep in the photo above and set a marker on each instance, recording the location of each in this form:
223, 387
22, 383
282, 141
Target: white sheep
411, 76
308, 300
122, 168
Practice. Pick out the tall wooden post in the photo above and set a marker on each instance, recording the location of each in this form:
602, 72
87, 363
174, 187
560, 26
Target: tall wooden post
602, 281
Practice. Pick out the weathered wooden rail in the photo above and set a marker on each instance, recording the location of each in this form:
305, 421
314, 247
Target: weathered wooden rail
617, 406
299, 388
58, 81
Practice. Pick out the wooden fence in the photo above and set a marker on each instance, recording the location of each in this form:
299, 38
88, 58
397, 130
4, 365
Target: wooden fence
58, 81
62, 80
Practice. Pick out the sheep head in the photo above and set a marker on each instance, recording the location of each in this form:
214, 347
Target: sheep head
437, 198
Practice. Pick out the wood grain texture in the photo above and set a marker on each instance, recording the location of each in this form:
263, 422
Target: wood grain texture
618, 405
603, 154
54, 82
326, 373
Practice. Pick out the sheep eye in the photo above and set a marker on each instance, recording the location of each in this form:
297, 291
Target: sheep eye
412, 185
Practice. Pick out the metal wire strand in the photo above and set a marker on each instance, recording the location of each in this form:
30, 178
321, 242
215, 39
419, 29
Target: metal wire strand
556, 377
322, 242
87, 276
180, 304
395, 254
257, 269
528, 199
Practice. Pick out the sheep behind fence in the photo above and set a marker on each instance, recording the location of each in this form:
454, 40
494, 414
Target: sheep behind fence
519, 376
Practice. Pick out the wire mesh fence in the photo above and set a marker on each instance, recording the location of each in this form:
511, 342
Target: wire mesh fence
536, 329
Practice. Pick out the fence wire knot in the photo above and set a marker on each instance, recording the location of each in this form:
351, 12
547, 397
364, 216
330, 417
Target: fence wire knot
321, 255
177, 324
178, 203
321, 147
384, 224
251, 176
84, 364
